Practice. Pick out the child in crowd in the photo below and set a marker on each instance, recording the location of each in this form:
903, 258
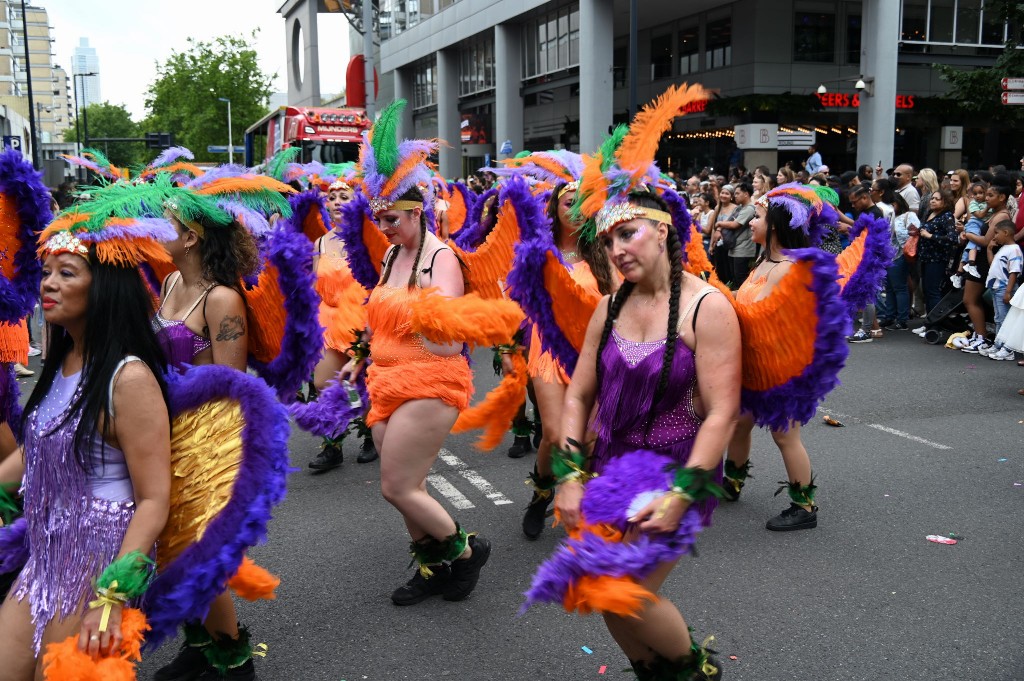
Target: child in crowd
977, 212
1002, 279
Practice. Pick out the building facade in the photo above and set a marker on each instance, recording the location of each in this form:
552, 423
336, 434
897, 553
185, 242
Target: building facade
84, 60
546, 74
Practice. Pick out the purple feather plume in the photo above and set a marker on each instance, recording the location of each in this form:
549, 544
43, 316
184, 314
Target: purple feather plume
218, 173
10, 407
14, 547
607, 500
863, 285
797, 399
330, 415
252, 220
23, 185
185, 588
681, 218
171, 155
364, 270
290, 251
475, 230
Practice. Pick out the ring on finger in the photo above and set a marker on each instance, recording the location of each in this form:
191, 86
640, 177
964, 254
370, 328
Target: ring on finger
94, 638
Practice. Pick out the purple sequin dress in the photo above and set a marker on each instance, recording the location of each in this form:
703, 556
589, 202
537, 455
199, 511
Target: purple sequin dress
77, 517
181, 345
626, 418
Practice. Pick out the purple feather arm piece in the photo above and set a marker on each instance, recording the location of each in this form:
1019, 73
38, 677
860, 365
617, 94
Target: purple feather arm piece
23, 185
171, 155
185, 588
330, 415
14, 547
797, 399
290, 251
863, 284
525, 280
681, 218
473, 232
821, 223
364, 269
10, 407
607, 500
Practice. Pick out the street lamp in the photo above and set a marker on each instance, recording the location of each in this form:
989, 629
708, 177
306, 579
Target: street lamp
85, 120
231, 149
40, 107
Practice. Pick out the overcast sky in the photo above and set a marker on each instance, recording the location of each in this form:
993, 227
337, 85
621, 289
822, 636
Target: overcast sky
130, 37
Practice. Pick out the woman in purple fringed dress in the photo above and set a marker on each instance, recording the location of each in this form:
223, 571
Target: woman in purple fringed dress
674, 394
95, 465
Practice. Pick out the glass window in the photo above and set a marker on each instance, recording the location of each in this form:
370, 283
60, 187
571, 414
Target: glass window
574, 38
563, 40
853, 29
719, 43
551, 42
661, 57
689, 50
992, 27
968, 20
940, 24
814, 37
915, 19
620, 66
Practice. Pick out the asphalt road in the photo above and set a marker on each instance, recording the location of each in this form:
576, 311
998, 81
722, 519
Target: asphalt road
931, 445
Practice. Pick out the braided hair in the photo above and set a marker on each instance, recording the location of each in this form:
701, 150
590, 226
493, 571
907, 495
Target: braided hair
675, 258
412, 194
592, 253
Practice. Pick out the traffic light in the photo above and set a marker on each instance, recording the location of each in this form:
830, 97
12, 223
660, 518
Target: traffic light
159, 140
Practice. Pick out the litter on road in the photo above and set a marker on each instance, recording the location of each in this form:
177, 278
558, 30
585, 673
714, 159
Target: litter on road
939, 539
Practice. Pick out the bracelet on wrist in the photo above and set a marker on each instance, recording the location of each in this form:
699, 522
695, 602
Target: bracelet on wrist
695, 484
569, 464
359, 350
123, 580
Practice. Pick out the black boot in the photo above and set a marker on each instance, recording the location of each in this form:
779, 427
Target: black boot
735, 478
802, 514
520, 447
421, 587
537, 511
330, 456
190, 662
466, 571
368, 453
699, 665
231, 658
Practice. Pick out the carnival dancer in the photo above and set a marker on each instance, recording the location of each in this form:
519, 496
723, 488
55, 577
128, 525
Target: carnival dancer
94, 471
661, 364
341, 314
417, 387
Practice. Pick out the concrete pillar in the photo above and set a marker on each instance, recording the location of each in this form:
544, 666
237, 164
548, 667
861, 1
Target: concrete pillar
404, 81
448, 119
596, 38
302, 45
508, 98
876, 116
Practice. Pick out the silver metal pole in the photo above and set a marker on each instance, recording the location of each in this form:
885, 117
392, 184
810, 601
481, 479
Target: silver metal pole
368, 57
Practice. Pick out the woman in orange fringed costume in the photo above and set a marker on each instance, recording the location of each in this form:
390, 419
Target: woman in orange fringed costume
589, 268
341, 314
13, 350
416, 387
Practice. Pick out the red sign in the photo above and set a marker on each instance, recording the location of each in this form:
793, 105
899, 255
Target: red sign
840, 100
1012, 84
1013, 98
697, 106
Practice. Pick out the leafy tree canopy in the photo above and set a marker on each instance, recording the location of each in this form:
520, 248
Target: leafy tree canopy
183, 99
108, 120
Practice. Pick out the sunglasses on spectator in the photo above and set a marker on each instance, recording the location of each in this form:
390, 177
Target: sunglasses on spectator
897, 173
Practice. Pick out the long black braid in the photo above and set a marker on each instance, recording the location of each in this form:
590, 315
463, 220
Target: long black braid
675, 256
411, 195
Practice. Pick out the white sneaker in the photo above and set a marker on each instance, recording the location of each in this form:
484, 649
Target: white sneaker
987, 350
958, 281
972, 270
920, 330
962, 342
1003, 354
33, 351
976, 345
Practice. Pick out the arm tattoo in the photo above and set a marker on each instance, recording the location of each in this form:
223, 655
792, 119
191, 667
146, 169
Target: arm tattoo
231, 329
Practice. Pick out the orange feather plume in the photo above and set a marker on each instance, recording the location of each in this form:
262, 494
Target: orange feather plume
593, 185
697, 262
603, 593
244, 183
174, 168
63, 661
636, 153
411, 163
456, 212
495, 413
376, 243
252, 582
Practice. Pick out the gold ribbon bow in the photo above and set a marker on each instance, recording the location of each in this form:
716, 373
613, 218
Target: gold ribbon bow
106, 598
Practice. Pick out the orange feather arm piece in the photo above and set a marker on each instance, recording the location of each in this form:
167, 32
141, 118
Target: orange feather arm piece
697, 262
10, 243
488, 266
777, 344
495, 412
63, 661
313, 225
572, 304
456, 212
849, 260
467, 319
639, 146
252, 582
376, 243
266, 315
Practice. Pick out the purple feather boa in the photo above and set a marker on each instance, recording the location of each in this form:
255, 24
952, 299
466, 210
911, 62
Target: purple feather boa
525, 280
330, 415
10, 407
681, 218
797, 399
607, 500
863, 285
475, 229
290, 251
14, 547
185, 588
23, 185
364, 270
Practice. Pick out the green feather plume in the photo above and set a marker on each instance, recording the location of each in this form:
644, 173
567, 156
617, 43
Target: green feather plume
611, 145
340, 169
97, 157
279, 161
827, 194
131, 572
385, 137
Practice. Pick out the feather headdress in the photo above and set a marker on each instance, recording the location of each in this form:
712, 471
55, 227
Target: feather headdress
811, 208
175, 160
94, 160
550, 167
389, 168
625, 164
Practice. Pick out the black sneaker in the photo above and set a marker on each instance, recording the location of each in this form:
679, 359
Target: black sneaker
520, 447
896, 326
466, 571
794, 518
190, 664
368, 453
536, 514
420, 588
329, 457
885, 323
243, 672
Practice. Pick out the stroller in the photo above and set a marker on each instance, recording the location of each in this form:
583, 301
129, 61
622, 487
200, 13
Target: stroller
945, 318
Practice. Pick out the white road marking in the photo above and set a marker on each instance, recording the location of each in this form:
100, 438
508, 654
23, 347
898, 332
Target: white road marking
447, 489
900, 433
474, 478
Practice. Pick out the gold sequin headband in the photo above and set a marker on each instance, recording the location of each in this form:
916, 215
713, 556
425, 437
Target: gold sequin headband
762, 201
339, 184
617, 213
172, 207
569, 187
66, 242
379, 205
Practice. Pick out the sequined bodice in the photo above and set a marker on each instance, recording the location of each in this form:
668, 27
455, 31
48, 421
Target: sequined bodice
181, 345
635, 352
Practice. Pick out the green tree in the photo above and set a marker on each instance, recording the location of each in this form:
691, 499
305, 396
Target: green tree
109, 120
183, 99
